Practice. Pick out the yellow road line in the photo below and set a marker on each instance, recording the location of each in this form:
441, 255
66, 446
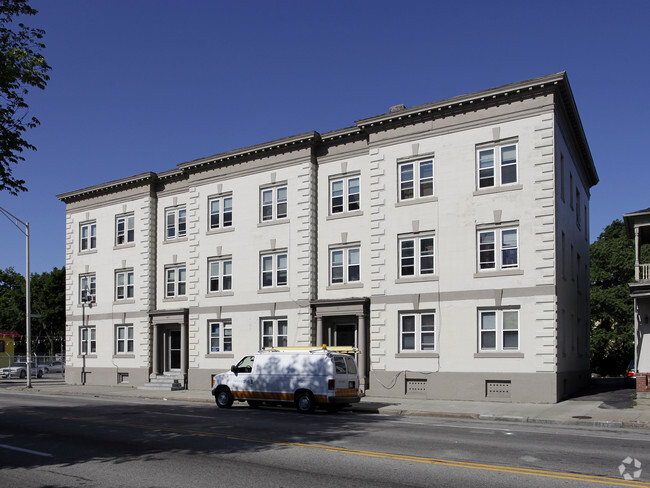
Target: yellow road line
375, 454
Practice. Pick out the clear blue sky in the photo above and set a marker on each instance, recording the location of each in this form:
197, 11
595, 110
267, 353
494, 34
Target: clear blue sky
145, 85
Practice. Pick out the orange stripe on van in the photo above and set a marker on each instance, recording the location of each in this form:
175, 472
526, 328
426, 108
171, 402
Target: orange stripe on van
270, 396
346, 392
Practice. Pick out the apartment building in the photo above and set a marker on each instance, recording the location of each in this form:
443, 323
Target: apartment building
448, 242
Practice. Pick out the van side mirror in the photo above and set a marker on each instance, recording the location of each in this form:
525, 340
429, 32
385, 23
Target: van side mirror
233, 368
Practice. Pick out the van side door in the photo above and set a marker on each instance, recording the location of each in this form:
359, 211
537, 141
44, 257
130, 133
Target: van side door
242, 379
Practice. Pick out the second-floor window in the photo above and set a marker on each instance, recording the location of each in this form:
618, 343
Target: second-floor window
124, 230
273, 203
417, 331
124, 339
344, 195
175, 223
345, 265
175, 281
220, 336
274, 332
88, 342
498, 330
87, 288
124, 285
220, 278
88, 239
497, 166
416, 256
274, 270
220, 212
498, 249
416, 179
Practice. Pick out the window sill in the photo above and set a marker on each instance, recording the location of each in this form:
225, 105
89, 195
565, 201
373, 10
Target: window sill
498, 189
220, 230
178, 239
123, 356
273, 222
89, 251
88, 305
498, 355
417, 279
504, 272
223, 355
280, 289
124, 302
123, 246
175, 299
345, 286
415, 201
216, 294
87, 356
343, 215
417, 355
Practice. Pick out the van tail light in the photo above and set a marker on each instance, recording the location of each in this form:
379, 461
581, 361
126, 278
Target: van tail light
331, 385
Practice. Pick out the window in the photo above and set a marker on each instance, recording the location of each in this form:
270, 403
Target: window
497, 166
220, 336
176, 223
417, 331
88, 342
88, 239
175, 281
274, 203
220, 275
416, 180
345, 265
498, 249
220, 212
344, 195
124, 286
124, 230
274, 332
87, 288
499, 330
274, 270
124, 339
416, 256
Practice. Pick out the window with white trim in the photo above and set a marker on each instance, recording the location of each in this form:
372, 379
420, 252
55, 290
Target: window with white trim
498, 249
124, 285
497, 166
415, 179
274, 332
220, 275
220, 336
88, 341
344, 194
124, 230
88, 236
274, 270
175, 223
87, 288
417, 331
416, 256
175, 281
273, 203
345, 265
220, 212
124, 339
498, 330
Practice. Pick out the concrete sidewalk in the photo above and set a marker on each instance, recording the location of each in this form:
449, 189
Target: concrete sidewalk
597, 406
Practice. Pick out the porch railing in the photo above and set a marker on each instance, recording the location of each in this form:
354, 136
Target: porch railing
643, 272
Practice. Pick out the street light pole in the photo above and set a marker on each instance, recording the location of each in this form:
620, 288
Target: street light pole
28, 304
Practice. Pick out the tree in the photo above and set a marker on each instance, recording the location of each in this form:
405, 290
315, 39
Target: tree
612, 308
21, 66
48, 301
12, 301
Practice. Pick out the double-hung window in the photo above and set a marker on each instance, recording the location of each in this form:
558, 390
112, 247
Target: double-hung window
417, 331
416, 179
274, 332
124, 285
220, 336
416, 256
124, 339
175, 281
344, 194
88, 342
498, 330
88, 237
124, 230
175, 223
273, 203
87, 288
274, 270
497, 166
220, 275
345, 265
498, 249
220, 212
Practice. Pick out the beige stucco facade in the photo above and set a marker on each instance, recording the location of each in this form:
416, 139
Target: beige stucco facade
448, 242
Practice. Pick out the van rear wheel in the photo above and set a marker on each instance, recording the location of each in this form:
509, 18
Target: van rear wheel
305, 402
223, 398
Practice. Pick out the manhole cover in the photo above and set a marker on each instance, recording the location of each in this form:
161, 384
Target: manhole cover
581, 417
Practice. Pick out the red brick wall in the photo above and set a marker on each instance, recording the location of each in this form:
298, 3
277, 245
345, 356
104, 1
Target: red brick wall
643, 382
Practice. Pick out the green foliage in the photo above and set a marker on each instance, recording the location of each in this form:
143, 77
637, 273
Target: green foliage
612, 308
12, 301
21, 66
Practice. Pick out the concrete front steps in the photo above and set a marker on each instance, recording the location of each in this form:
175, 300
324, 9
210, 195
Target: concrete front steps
164, 382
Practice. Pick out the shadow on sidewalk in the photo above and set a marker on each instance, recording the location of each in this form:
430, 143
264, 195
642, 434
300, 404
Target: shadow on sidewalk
610, 391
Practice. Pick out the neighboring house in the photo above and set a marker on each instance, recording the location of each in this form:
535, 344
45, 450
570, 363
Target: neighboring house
449, 242
638, 228
7, 347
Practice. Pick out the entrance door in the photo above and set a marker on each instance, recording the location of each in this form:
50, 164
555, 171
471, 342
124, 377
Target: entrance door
174, 350
345, 335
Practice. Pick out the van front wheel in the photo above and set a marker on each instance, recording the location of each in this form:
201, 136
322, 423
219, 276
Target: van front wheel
305, 402
223, 398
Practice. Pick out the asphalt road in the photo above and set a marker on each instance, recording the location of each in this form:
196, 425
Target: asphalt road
72, 441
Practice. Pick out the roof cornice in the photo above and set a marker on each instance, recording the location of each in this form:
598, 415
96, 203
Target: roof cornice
121, 184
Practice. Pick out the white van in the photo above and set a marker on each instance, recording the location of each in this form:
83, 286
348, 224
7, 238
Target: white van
306, 378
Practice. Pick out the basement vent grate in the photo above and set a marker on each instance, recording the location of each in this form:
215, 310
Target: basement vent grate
416, 387
497, 389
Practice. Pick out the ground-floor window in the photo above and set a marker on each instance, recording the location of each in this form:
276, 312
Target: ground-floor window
498, 330
274, 332
124, 339
417, 331
220, 336
88, 343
